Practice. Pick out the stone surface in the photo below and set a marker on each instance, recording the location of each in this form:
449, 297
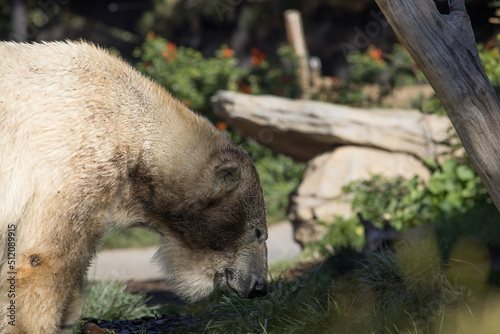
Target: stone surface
303, 129
319, 196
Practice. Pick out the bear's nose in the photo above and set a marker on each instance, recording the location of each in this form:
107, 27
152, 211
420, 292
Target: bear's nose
259, 288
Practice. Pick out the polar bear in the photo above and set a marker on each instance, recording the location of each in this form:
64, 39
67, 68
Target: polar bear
88, 144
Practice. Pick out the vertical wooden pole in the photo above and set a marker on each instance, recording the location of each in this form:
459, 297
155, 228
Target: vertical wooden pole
19, 26
295, 34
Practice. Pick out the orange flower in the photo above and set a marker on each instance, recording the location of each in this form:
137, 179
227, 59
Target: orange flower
257, 57
489, 45
376, 54
246, 89
150, 35
170, 52
226, 53
186, 103
221, 126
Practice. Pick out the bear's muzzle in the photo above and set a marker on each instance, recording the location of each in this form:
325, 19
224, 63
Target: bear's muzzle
246, 286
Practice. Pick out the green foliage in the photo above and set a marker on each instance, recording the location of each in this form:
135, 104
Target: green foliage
342, 233
452, 189
185, 73
267, 78
345, 294
108, 300
490, 59
481, 222
383, 70
193, 79
394, 69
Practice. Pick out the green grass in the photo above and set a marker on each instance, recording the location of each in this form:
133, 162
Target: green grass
369, 295
108, 300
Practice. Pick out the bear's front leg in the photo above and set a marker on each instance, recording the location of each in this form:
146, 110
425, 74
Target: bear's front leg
40, 285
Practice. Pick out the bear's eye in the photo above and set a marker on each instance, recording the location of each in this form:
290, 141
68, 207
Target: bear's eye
258, 233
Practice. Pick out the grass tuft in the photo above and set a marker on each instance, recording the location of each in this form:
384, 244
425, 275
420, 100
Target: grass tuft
109, 300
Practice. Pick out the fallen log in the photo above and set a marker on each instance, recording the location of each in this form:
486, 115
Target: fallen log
303, 129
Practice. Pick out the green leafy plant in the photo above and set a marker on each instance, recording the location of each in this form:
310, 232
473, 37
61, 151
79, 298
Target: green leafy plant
339, 234
490, 59
382, 70
452, 189
188, 76
193, 79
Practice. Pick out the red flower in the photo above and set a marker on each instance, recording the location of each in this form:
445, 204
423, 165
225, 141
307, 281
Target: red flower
226, 53
148, 64
376, 54
221, 126
150, 35
257, 57
246, 89
186, 103
170, 52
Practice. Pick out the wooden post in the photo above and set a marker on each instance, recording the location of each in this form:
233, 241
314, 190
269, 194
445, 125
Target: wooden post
444, 48
295, 34
19, 26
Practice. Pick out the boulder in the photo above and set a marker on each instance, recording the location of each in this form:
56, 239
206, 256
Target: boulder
319, 196
303, 129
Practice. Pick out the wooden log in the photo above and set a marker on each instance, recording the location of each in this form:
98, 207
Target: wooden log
303, 129
444, 48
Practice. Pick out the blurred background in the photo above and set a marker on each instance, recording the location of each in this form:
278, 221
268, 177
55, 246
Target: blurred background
207, 24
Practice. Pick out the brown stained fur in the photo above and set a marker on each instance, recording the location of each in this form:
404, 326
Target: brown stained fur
89, 144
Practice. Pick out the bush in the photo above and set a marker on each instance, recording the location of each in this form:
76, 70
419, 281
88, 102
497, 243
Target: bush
385, 71
490, 59
452, 189
185, 73
193, 79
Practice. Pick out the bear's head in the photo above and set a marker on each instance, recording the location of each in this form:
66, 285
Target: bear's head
212, 222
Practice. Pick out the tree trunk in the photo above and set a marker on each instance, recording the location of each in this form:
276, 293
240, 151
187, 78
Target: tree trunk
444, 48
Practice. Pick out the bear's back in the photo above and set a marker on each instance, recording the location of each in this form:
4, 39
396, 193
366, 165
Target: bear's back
67, 111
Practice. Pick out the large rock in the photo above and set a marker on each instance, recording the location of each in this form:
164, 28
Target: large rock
319, 196
303, 129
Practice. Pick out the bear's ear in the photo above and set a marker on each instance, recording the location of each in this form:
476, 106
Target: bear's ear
227, 177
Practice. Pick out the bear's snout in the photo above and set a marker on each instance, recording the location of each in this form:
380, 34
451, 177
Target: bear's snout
251, 287
258, 287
